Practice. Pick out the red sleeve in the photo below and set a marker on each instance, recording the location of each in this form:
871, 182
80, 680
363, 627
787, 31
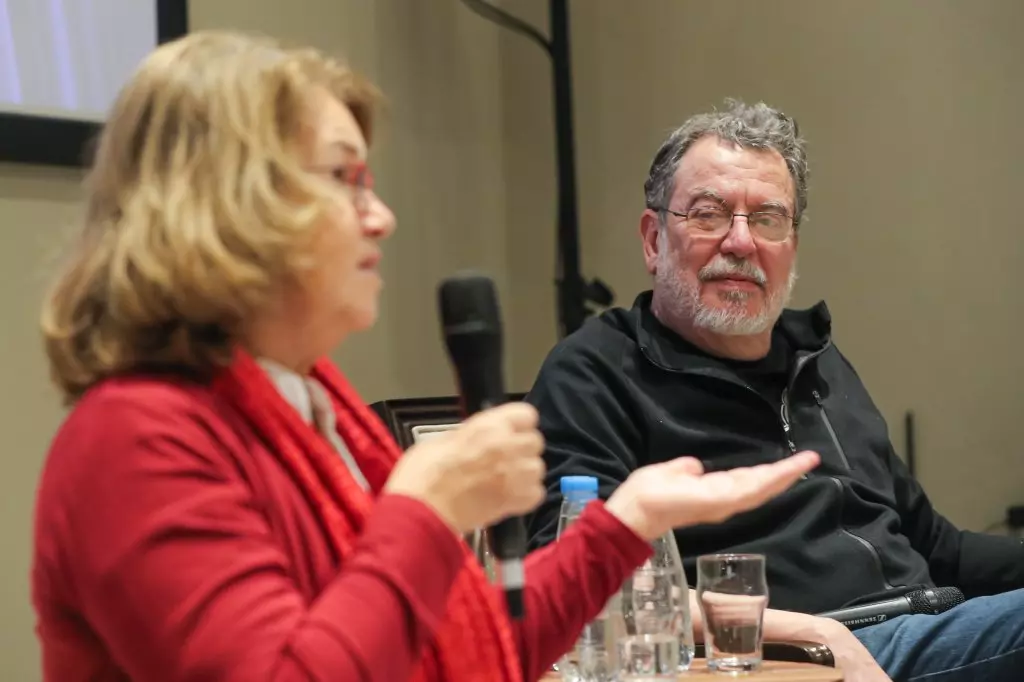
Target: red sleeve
173, 565
569, 581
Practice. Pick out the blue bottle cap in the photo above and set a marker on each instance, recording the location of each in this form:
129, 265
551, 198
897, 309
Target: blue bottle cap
579, 486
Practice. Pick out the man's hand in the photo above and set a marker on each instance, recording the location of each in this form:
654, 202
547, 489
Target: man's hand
851, 657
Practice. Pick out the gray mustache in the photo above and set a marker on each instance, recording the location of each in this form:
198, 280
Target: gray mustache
724, 267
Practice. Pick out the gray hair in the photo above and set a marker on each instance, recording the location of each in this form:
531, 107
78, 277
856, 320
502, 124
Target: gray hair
755, 126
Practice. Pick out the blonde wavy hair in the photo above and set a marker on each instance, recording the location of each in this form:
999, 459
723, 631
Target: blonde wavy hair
197, 207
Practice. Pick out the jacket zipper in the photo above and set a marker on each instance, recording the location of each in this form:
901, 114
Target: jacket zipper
839, 484
787, 428
867, 545
784, 409
831, 431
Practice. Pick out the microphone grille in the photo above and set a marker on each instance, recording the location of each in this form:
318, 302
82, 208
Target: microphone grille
948, 597
935, 600
469, 305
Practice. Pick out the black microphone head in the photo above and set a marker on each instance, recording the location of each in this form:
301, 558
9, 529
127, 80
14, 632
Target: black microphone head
471, 320
935, 600
469, 306
472, 331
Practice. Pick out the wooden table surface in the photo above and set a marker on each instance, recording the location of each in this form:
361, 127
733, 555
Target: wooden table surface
772, 671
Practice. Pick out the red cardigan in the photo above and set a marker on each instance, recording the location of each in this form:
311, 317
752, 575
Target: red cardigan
171, 546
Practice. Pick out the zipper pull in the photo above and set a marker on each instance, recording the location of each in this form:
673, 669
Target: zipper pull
789, 441
786, 426
784, 414
817, 397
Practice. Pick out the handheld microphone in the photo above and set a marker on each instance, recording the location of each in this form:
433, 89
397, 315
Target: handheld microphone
930, 601
472, 331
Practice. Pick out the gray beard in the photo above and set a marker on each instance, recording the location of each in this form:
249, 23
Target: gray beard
681, 301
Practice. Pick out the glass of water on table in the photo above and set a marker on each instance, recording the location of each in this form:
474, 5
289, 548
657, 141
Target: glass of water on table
733, 594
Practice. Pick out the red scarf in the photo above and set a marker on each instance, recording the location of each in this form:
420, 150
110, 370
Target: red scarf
474, 641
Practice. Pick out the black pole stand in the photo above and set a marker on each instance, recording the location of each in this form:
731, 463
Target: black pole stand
574, 293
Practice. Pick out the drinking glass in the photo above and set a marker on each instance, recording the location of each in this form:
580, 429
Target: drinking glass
733, 593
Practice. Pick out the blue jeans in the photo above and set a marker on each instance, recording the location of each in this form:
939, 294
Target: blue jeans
980, 640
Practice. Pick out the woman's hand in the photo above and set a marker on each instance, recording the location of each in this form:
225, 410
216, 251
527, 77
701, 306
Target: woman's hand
488, 468
659, 497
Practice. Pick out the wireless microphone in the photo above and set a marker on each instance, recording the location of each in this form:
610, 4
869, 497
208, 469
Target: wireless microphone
472, 330
931, 601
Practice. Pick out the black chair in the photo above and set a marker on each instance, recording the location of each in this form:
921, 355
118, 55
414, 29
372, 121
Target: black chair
412, 418
407, 418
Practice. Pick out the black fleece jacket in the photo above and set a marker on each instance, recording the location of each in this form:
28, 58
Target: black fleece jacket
624, 391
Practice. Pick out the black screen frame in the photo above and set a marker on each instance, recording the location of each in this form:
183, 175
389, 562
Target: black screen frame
51, 141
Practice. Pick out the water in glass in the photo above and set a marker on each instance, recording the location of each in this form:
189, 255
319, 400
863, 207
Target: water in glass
733, 595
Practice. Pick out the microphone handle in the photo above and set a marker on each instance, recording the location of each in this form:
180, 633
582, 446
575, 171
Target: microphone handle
471, 319
855, 617
510, 536
484, 390
509, 544
930, 601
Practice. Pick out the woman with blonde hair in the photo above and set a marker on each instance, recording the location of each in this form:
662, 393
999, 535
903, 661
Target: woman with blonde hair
219, 503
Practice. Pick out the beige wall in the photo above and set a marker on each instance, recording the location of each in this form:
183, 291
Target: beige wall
35, 205
901, 133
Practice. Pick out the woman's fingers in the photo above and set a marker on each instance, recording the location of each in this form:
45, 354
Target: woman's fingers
686, 465
749, 487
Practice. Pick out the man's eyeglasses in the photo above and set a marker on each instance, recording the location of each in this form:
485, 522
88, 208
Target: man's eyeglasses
772, 226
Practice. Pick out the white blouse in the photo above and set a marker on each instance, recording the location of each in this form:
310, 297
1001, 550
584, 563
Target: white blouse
310, 400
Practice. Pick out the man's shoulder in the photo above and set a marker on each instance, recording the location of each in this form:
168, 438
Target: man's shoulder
602, 340
807, 328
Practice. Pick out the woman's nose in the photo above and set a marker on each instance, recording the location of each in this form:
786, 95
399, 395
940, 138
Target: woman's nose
378, 220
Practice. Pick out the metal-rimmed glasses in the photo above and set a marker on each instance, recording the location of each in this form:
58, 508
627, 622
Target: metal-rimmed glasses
715, 221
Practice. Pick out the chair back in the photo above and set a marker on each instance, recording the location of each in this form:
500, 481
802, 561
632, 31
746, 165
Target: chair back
411, 420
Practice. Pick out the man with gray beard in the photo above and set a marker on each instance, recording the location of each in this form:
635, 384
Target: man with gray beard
709, 363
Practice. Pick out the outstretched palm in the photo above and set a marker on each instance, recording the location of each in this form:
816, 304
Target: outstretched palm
678, 493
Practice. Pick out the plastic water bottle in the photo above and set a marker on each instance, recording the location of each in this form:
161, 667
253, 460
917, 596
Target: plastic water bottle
587, 661
577, 493
650, 619
645, 631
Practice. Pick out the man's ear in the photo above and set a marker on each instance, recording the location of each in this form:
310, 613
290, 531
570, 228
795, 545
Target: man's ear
650, 224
